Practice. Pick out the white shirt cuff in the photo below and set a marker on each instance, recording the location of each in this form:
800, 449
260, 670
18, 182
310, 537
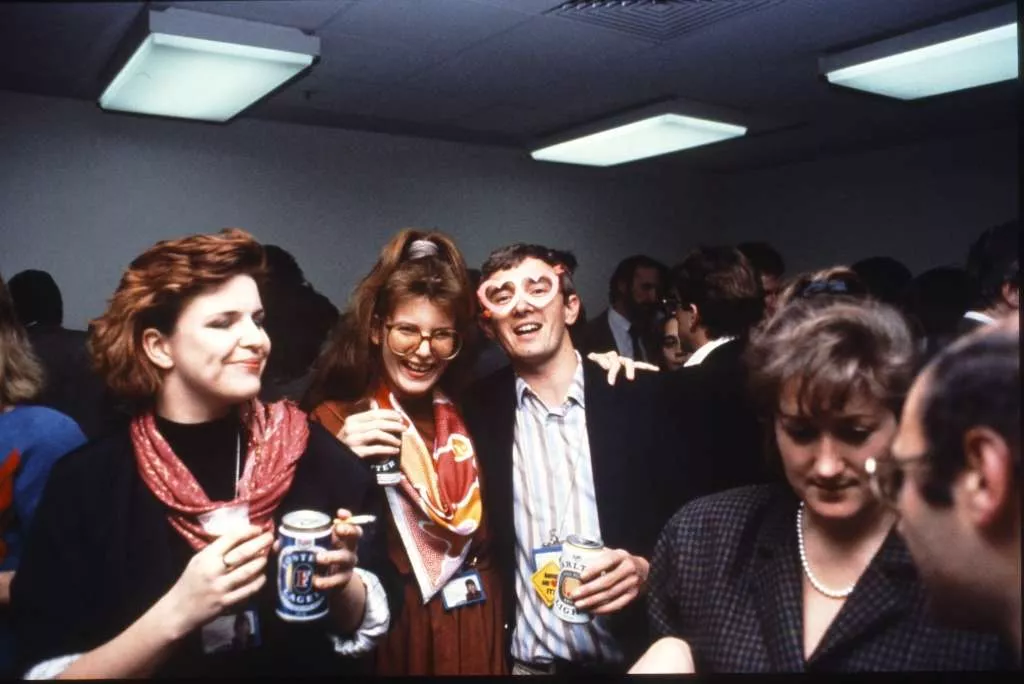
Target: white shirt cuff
52, 668
376, 620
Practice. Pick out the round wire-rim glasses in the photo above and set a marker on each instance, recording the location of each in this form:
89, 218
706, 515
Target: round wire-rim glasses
403, 339
886, 476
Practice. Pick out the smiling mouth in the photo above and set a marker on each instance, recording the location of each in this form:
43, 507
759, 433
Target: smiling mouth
832, 489
526, 328
417, 368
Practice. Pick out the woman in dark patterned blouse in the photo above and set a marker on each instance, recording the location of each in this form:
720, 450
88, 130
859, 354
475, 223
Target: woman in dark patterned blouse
810, 576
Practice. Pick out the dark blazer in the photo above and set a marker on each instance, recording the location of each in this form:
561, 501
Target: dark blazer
597, 335
637, 476
720, 424
726, 577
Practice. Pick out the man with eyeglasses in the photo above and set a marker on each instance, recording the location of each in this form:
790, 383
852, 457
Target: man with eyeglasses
954, 478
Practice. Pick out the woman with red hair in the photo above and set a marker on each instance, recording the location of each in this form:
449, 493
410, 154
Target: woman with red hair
149, 543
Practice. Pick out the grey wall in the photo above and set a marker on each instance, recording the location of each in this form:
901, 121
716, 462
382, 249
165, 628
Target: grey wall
922, 204
82, 192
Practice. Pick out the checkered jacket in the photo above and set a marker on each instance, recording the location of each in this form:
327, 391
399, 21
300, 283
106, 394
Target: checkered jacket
726, 577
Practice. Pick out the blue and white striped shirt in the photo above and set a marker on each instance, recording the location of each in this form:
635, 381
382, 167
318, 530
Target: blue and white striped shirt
553, 489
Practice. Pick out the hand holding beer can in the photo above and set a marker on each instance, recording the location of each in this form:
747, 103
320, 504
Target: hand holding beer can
577, 553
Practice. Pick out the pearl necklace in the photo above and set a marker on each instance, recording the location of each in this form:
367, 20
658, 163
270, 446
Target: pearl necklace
821, 588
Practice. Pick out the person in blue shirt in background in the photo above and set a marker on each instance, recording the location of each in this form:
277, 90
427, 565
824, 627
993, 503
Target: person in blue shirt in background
32, 438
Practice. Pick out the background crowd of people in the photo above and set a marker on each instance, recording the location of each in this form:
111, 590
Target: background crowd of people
817, 472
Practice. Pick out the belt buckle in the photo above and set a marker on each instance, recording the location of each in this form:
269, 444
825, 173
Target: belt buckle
538, 668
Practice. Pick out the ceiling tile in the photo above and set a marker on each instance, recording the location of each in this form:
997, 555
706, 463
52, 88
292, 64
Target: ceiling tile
351, 57
524, 59
308, 15
524, 6
453, 24
60, 48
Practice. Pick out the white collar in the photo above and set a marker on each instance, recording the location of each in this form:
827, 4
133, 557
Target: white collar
698, 356
979, 317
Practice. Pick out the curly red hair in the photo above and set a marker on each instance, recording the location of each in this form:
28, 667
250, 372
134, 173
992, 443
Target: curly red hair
152, 293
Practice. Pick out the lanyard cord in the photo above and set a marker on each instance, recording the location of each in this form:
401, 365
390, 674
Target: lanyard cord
557, 528
238, 460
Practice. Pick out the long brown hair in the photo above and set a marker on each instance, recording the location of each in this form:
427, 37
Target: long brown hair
21, 376
349, 364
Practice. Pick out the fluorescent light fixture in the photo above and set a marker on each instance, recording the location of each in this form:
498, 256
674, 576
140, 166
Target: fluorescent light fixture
201, 66
966, 53
639, 138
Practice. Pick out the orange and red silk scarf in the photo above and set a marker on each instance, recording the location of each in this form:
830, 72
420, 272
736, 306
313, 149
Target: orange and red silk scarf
278, 434
437, 506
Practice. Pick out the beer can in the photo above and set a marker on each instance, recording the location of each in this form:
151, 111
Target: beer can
577, 553
388, 471
302, 534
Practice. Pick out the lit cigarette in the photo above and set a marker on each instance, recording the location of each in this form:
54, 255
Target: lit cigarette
358, 520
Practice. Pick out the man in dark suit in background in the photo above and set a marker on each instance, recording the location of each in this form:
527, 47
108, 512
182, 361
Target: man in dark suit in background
70, 386
563, 453
626, 326
770, 268
993, 269
717, 299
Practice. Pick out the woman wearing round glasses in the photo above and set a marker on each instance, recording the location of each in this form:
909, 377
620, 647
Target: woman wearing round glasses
809, 575
383, 386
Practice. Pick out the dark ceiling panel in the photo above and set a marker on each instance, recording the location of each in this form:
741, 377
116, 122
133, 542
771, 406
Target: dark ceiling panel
525, 59
524, 6
60, 48
308, 15
453, 24
352, 57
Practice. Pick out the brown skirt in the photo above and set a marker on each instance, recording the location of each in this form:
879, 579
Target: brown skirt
429, 640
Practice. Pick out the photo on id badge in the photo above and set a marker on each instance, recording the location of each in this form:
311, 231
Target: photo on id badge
235, 632
463, 590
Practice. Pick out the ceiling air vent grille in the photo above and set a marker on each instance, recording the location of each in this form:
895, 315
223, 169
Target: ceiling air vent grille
656, 20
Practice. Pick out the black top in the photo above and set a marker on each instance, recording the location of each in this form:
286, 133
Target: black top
641, 474
726, 577
718, 421
102, 552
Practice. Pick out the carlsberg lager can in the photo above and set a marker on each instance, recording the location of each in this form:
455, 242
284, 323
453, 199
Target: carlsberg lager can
577, 552
302, 535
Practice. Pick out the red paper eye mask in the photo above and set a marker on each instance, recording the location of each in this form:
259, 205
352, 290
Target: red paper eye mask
535, 284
